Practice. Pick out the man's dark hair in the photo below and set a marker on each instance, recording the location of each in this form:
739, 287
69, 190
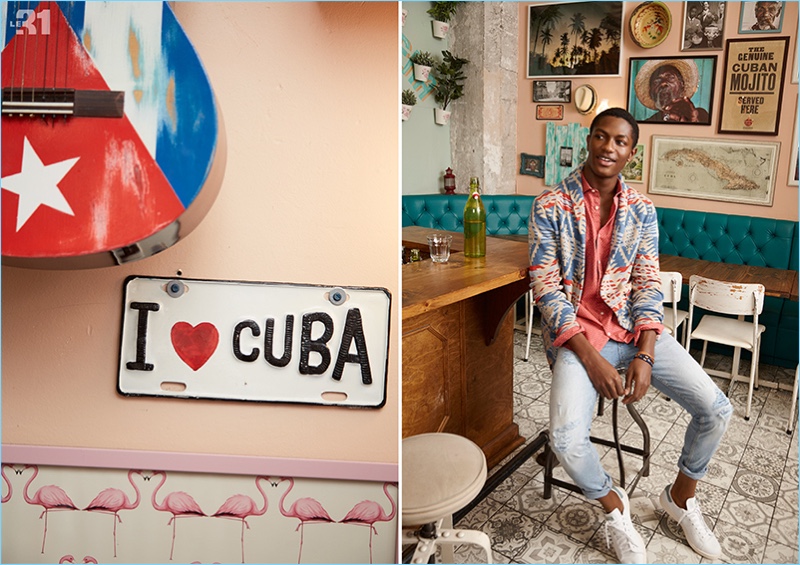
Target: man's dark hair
618, 113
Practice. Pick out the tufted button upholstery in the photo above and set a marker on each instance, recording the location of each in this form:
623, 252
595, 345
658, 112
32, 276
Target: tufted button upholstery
742, 240
506, 214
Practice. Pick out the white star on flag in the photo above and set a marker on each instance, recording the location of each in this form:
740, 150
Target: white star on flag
37, 184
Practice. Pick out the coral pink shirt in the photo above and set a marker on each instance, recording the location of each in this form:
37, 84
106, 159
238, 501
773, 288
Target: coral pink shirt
596, 319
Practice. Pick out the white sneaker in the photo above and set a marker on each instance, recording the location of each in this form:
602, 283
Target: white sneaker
628, 544
697, 532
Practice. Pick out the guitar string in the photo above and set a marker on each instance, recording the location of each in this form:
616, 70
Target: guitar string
66, 62
46, 57
35, 68
55, 62
24, 53
14, 59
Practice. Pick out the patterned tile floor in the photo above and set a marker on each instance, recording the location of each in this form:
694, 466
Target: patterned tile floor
749, 495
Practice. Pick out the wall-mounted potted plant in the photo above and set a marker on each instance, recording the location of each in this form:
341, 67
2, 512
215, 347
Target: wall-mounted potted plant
449, 84
409, 99
423, 63
441, 12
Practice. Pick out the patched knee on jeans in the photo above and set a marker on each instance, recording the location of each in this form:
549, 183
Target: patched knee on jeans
722, 405
562, 437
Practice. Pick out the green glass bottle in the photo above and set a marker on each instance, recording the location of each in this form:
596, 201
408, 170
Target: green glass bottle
474, 222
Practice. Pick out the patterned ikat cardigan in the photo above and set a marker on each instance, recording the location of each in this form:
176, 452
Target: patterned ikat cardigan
631, 284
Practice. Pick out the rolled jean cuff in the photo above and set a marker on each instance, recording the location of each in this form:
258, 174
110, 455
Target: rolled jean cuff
695, 476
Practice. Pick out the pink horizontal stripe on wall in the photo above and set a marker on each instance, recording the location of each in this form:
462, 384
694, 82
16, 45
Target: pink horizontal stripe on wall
199, 463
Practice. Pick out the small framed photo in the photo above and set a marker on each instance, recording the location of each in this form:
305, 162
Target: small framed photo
672, 90
761, 17
703, 26
550, 112
532, 165
633, 171
552, 91
565, 156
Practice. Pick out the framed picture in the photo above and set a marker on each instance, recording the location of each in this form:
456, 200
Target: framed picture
673, 90
552, 91
761, 17
565, 156
729, 170
794, 164
567, 141
575, 39
550, 112
532, 165
633, 171
752, 86
703, 26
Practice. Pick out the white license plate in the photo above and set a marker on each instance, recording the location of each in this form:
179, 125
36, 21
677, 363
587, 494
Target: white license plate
269, 342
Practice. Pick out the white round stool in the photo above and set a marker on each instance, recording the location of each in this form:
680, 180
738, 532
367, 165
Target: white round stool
442, 473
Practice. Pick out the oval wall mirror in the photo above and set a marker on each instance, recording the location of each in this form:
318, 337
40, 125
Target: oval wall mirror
585, 99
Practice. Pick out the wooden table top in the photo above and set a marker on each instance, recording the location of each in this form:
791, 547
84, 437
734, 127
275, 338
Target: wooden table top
428, 285
777, 282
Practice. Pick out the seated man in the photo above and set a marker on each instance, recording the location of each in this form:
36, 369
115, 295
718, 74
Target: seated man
596, 281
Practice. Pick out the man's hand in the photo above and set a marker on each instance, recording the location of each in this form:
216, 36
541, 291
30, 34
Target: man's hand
682, 110
604, 376
637, 381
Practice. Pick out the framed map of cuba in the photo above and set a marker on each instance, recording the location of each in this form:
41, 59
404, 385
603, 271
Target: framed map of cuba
729, 170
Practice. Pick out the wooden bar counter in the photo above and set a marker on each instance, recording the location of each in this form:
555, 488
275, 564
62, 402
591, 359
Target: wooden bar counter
458, 342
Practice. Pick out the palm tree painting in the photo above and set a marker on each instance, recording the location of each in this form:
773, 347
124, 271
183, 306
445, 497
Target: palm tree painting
574, 39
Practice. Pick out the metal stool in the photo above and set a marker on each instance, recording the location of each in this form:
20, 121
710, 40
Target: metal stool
442, 473
548, 459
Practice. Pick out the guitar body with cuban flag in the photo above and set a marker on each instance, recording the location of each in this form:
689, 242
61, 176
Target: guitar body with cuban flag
112, 142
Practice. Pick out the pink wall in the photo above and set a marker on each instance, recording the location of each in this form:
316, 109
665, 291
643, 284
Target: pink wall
308, 92
531, 133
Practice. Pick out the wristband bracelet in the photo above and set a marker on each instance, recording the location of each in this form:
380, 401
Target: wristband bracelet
644, 357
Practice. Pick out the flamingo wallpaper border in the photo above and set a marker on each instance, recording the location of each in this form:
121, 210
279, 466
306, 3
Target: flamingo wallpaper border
201, 463
58, 513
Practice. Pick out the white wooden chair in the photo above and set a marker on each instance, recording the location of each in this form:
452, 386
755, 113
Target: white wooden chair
671, 284
735, 299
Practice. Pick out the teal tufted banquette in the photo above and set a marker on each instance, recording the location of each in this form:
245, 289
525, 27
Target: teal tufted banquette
726, 238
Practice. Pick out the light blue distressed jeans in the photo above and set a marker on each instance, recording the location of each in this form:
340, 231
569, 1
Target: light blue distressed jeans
573, 401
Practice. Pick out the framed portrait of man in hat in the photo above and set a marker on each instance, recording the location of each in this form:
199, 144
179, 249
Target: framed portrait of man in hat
672, 90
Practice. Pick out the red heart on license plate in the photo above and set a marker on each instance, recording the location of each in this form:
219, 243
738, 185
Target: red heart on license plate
194, 344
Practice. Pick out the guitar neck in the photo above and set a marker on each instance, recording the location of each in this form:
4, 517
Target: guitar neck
63, 102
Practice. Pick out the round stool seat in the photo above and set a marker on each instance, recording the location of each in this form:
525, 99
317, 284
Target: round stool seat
442, 473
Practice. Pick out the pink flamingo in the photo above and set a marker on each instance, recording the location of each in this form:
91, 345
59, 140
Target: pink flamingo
307, 510
367, 512
180, 504
50, 497
7, 497
71, 559
112, 500
240, 506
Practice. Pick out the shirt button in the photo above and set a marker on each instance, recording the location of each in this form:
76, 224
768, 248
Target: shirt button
597, 207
